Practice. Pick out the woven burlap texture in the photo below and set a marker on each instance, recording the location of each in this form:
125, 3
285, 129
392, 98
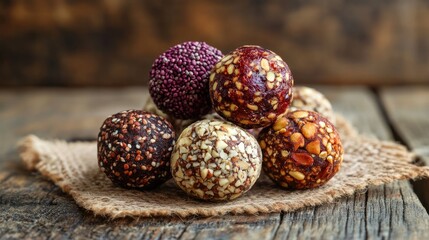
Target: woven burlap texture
73, 167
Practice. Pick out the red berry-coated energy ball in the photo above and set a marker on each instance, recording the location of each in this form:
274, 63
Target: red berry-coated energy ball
305, 98
179, 79
251, 87
215, 160
134, 149
301, 150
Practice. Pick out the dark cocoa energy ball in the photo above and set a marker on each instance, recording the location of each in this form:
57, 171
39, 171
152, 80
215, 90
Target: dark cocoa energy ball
179, 79
301, 150
134, 149
251, 87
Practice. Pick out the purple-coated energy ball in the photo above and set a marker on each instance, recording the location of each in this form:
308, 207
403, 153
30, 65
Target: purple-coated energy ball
179, 79
134, 149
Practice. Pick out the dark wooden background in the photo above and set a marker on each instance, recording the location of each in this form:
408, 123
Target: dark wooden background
113, 43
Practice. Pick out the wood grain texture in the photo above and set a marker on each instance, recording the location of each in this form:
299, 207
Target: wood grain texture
407, 109
113, 43
357, 104
33, 207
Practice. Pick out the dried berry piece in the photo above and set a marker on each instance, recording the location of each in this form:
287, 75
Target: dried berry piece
251, 87
179, 79
301, 150
305, 98
134, 149
215, 160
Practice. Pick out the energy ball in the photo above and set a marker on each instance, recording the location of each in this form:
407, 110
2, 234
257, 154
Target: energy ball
305, 98
179, 79
178, 124
215, 160
215, 116
134, 149
251, 87
151, 107
301, 150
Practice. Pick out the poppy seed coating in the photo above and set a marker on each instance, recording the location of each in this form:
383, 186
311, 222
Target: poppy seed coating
134, 149
179, 79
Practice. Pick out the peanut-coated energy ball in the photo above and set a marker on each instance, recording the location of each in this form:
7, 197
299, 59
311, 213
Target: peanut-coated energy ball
179, 79
215, 160
301, 150
305, 98
134, 149
251, 87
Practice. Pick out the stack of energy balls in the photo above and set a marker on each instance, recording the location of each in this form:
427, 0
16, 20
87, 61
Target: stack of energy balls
214, 121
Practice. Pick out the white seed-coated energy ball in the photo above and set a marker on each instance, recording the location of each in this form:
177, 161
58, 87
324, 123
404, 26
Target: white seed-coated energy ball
215, 160
309, 99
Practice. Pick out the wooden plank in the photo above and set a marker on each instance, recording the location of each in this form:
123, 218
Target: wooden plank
61, 113
358, 105
381, 212
233, 227
34, 208
407, 109
112, 43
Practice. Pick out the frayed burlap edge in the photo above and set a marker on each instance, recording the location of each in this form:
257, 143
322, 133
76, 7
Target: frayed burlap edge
94, 192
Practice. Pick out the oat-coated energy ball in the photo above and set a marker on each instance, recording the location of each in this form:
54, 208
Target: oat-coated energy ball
134, 149
215, 160
251, 87
179, 79
301, 150
178, 124
305, 98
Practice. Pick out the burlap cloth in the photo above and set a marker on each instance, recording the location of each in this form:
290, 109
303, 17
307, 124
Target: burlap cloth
73, 167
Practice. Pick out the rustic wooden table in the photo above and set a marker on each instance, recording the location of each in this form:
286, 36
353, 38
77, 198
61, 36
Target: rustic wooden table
32, 207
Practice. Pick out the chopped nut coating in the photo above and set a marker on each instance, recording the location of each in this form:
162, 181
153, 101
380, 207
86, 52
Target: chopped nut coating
301, 154
223, 162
